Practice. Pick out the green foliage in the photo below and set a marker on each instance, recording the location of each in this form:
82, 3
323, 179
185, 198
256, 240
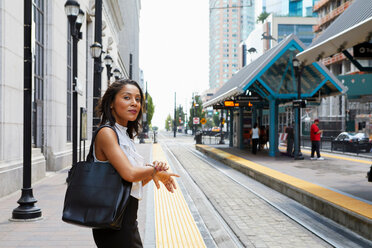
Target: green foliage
150, 109
180, 115
262, 17
168, 123
196, 111
216, 119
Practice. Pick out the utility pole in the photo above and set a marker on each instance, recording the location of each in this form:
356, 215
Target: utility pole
175, 122
97, 61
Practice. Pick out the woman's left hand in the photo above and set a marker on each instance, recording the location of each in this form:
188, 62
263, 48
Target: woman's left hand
167, 179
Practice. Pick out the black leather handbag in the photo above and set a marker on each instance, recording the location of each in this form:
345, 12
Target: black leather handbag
96, 195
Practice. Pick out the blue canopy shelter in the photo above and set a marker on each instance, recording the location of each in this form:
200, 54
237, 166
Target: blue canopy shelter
272, 77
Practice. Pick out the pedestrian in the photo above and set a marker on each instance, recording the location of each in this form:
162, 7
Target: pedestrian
121, 107
255, 137
290, 139
315, 133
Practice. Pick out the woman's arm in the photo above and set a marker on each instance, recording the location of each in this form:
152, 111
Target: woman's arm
107, 148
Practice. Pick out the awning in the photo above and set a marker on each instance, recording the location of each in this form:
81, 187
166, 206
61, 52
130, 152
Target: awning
352, 27
272, 76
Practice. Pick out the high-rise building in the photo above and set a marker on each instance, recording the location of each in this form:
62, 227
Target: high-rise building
328, 11
231, 21
297, 8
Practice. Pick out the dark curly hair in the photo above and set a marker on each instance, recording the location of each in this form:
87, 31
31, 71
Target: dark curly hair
104, 111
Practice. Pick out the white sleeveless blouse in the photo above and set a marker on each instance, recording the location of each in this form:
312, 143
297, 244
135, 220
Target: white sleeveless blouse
128, 147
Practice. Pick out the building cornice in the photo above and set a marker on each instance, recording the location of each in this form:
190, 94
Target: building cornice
112, 8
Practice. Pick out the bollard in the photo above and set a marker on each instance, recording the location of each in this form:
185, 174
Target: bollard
155, 139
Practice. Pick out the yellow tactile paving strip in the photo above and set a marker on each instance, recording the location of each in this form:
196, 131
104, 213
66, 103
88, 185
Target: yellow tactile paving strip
336, 198
281, 148
175, 226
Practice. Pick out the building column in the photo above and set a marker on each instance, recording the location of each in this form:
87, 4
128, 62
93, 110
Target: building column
254, 115
273, 130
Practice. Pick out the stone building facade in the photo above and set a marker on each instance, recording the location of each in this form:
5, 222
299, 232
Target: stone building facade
52, 79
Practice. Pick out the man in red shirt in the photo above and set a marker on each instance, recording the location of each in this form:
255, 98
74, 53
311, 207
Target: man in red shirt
315, 133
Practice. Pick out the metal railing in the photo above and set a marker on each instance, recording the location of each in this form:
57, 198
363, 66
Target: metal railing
328, 143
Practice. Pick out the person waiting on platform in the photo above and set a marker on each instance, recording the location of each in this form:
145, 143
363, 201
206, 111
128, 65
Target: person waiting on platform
290, 139
255, 137
315, 133
262, 138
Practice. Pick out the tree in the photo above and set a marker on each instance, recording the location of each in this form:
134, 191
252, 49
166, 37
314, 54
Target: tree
216, 118
196, 111
262, 17
150, 109
180, 116
168, 123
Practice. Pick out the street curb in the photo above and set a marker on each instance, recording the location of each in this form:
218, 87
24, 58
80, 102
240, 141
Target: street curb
350, 219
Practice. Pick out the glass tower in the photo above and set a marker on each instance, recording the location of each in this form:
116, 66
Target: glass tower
230, 22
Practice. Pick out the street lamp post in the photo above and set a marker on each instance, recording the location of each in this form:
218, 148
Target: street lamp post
108, 62
76, 17
144, 120
96, 54
27, 209
298, 71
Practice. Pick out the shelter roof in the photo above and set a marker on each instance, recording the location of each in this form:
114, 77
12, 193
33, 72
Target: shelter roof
352, 27
272, 76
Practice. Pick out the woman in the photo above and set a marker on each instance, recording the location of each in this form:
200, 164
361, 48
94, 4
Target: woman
121, 107
255, 136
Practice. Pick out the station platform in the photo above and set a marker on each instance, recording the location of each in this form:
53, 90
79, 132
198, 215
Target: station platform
336, 187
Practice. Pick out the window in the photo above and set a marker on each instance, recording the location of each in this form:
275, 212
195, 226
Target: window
38, 83
69, 84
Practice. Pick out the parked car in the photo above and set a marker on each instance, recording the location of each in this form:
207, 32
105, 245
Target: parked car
352, 142
216, 129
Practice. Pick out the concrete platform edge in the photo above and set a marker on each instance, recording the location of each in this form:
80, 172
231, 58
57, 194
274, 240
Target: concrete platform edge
353, 221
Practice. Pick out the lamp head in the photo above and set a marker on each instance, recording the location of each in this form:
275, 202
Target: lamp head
117, 73
72, 9
108, 60
96, 50
79, 20
296, 63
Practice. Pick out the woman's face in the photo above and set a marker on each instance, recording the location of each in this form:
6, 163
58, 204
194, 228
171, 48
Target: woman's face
127, 104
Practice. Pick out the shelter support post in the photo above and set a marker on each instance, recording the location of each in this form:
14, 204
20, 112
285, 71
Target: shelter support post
231, 136
254, 115
273, 130
241, 124
260, 117
297, 132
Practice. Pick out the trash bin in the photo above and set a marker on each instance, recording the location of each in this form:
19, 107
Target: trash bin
198, 137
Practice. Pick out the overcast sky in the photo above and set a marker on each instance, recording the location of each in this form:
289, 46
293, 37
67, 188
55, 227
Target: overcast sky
174, 52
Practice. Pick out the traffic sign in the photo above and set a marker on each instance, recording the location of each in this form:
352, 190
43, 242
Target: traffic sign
299, 103
203, 121
195, 120
245, 99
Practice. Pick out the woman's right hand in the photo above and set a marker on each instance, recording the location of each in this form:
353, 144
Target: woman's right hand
166, 178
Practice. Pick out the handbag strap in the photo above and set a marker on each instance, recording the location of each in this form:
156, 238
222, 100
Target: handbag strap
90, 157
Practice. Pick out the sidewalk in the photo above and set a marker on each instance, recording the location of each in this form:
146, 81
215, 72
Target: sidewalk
51, 231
